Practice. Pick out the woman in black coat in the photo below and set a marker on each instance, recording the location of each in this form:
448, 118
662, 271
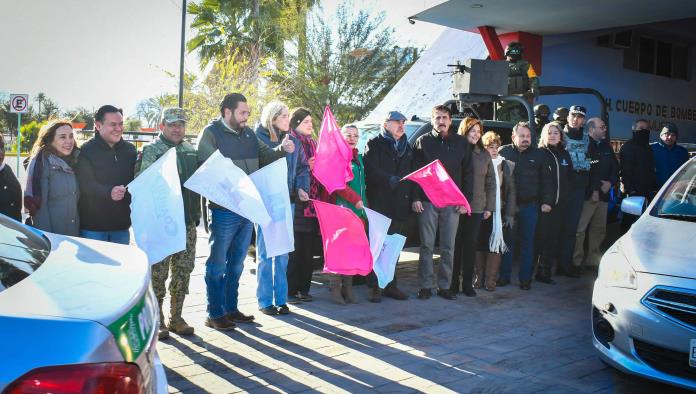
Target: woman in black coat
552, 224
10, 190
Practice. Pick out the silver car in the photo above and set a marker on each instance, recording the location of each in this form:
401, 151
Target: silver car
76, 315
644, 299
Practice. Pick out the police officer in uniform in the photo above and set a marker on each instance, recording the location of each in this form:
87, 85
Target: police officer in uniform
173, 129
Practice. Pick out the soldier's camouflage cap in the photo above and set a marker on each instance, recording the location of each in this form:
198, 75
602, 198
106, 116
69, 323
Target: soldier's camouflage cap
173, 114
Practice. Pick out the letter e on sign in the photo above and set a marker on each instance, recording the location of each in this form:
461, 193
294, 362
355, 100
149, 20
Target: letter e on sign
19, 103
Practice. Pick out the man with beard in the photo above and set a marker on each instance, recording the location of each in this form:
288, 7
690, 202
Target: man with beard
230, 233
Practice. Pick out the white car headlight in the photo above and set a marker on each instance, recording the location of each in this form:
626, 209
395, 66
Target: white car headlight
616, 271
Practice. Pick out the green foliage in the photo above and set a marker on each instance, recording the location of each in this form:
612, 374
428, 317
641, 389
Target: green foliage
132, 124
350, 68
29, 132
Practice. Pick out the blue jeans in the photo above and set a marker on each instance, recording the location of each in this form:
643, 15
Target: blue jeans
572, 218
119, 237
271, 275
230, 236
523, 232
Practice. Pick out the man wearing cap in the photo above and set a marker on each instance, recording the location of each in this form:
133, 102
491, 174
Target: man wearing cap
230, 233
668, 155
604, 174
172, 131
577, 145
388, 158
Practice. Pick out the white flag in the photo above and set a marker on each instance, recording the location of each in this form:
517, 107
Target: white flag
225, 184
378, 227
272, 183
386, 263
157, 209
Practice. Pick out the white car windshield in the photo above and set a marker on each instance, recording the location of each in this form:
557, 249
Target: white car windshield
22, 251
679, 199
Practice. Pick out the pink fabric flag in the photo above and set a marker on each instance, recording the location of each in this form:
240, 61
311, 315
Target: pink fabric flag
438, 186
332, 161
346, 248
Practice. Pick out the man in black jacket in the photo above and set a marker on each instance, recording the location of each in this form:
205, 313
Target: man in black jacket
105, 166
604, 174
637, 167
534, 193
453, 152
388, 158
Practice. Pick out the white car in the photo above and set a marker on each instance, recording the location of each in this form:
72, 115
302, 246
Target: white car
76, 315
644, 299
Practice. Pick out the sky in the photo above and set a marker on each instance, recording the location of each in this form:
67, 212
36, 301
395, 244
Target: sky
93, 52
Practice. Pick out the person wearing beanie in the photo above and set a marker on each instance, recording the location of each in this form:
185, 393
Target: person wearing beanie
669, 156
637, 167
305, 223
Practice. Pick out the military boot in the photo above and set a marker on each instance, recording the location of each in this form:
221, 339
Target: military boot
347, 290
163, 331
177, 324
335, 289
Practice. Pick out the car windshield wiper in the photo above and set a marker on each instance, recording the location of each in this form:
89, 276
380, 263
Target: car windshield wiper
677, 216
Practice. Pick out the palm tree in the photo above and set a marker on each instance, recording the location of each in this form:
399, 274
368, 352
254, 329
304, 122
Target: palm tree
40, 98
254, 29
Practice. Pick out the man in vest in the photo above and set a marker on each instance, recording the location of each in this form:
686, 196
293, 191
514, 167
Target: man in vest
230, 234
577, 144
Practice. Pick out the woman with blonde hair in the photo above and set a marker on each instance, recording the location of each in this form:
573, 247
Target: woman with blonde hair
482, 201
552, 224
494, 230
271, 276
52, 192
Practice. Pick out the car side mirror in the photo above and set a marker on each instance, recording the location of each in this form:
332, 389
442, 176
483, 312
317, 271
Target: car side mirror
634, 205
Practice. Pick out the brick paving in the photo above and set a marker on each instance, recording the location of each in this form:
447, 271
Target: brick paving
510, 341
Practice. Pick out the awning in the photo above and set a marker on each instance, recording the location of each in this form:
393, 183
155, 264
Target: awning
544, 17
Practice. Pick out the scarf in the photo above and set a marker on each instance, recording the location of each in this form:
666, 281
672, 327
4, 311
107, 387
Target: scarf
496, 244
399, 146
316, 191
32, 194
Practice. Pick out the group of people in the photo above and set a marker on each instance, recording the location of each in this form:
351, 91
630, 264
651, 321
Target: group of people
535, 203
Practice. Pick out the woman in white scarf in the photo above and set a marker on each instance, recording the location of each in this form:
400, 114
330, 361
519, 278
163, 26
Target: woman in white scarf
491, 243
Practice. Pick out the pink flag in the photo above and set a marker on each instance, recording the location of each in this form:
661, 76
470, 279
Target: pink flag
346, 248
332, 161
438, 186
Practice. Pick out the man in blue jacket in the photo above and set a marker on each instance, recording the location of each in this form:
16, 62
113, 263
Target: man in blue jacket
668, 155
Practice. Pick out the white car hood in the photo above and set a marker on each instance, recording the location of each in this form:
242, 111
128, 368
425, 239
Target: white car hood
81, 279
661, 246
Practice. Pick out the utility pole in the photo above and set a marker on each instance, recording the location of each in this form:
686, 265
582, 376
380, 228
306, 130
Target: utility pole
181, 61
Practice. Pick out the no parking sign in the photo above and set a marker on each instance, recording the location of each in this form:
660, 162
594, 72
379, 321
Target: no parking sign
19, 103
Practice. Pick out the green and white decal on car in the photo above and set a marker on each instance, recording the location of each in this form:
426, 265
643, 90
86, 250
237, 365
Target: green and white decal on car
132, 330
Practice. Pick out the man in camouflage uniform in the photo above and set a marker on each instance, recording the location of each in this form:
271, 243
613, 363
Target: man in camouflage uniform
173, 127
522, 81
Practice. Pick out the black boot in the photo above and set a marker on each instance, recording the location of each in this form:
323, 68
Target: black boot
543, 274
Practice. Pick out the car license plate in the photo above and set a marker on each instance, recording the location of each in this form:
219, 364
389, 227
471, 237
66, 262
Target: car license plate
692, 354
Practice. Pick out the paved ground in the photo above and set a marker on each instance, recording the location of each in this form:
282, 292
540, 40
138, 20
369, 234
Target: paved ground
509, 341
